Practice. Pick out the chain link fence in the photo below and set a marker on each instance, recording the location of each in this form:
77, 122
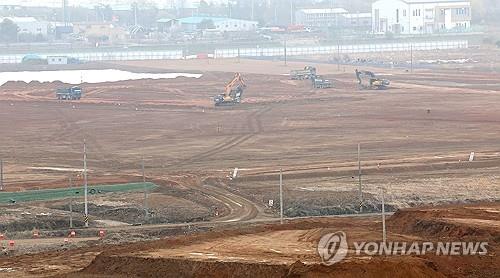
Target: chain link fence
249, 52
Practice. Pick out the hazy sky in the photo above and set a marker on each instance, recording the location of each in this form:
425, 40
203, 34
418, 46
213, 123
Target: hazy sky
91, 3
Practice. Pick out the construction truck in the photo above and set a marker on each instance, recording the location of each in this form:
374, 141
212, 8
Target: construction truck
321, 83
72, 93
308, 72
232, 92
368, 80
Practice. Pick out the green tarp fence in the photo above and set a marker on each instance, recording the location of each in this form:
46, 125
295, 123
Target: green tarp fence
77, 192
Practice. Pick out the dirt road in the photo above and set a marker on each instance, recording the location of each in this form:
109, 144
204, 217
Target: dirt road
416, 139
273, 250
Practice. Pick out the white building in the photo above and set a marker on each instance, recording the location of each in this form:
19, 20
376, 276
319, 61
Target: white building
360, 21
420, 16
235, 25
30, 25
320, 17
57, 60
221, 24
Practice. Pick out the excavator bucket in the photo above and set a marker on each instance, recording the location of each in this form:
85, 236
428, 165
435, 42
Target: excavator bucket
233, 92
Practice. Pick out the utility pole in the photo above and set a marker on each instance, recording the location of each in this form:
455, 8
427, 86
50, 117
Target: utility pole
291, 12
281, 196
135, 14
71, 203
411, 58
146, 214
65, 8
1, 175
384, 235
253, 10
85, 185
285, 53
338, 56
275, 14
359, 180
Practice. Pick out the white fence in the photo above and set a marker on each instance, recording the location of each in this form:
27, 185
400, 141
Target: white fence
251, 52
105, 56
334, 49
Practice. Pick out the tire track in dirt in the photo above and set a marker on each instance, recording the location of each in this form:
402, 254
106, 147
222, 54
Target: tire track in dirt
67, 130
70, 129
254, 124
240, 208
95, 92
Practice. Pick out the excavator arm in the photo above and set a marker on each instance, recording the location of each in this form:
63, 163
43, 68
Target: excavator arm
232, 92
237, 81
234, 85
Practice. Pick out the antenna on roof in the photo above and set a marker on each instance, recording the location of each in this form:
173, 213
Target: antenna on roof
64, 8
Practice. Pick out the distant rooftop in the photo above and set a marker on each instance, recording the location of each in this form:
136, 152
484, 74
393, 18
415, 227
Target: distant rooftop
433, 1
165, 20
19, 19
199, 19
324, 11
357, 15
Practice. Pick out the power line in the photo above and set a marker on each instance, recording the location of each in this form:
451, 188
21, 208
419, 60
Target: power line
71, 204
85, 185
281, 196
359, 180
1, 175
146, 213
384, 235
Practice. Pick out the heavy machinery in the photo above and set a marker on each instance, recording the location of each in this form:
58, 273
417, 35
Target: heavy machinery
321, 83
72, 93
232, 92
308, 72
368, 80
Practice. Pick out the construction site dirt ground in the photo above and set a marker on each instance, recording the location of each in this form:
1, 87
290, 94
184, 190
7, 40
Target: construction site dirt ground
274, 250
418, 133
415, 140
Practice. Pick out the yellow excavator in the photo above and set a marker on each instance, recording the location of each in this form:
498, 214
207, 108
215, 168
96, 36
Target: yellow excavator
232, 92
368, 80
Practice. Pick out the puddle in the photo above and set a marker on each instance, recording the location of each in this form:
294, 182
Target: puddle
86, 76
56, 169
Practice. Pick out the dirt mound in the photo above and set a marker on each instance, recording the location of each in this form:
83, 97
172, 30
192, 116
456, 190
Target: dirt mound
446, 222
376, 267
42, 223
168, 267
26, 85
215, 181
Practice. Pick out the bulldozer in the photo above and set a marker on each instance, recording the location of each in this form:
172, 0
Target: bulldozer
232, 92
72, 93
308, 72
368, 80
319, 82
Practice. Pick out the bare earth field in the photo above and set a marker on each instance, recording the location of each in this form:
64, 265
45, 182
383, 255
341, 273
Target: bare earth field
287, 250
415, 139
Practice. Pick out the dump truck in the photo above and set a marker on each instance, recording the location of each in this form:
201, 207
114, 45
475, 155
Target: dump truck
233, 92
72, 93
320, 82
368, 80
308, 72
